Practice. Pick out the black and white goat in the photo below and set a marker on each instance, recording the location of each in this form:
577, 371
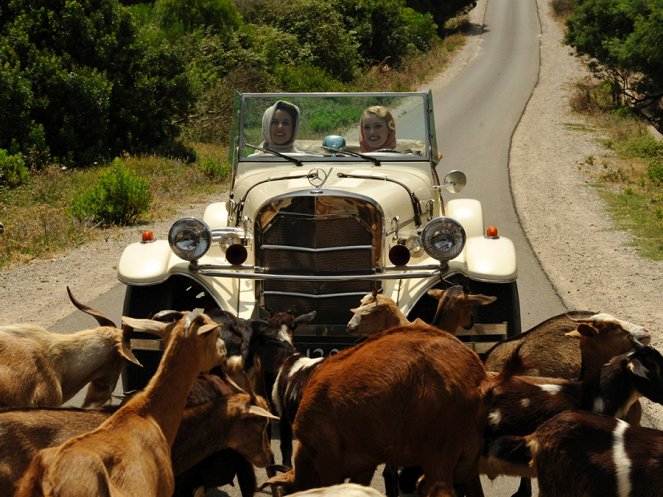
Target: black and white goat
518, 406
580, 453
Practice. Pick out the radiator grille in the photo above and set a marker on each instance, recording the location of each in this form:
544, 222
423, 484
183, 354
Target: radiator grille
318, 234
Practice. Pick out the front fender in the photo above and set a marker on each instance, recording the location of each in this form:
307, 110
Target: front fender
468, 212
147, 263
491, 259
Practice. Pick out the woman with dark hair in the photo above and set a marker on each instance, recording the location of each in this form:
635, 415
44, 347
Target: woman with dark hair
279, 127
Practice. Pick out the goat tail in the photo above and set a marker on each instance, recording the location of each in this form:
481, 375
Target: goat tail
514, 365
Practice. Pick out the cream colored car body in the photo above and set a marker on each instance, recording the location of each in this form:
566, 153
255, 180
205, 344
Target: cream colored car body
376, 202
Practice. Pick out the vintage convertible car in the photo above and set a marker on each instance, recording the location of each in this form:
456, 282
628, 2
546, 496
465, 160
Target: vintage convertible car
319, 228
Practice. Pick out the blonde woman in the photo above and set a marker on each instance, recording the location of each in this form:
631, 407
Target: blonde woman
377, 129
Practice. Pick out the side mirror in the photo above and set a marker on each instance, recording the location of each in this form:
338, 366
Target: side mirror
455, 181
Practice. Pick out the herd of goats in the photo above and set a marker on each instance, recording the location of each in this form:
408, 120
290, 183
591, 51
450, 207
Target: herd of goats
559, 402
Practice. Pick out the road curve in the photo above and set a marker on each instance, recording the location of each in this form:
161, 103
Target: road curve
476, 114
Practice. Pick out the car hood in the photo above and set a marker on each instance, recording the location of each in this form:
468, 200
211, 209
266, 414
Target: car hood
394, 190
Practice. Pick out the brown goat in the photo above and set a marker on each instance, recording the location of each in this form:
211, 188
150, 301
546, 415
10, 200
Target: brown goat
378, 312
547, 350
549, 353
578, 453
41, 368
357, 410
517, 406
129, 453
218, 416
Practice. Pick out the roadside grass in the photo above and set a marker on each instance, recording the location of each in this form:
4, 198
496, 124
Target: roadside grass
36, 215
629, 176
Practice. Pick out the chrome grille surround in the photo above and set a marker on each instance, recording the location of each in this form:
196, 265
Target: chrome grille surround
318, 233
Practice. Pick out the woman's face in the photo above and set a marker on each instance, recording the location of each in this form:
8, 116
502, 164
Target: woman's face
375, 130
280, 129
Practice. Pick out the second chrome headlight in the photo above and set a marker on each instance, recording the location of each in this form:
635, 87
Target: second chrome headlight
189, 238
443, 238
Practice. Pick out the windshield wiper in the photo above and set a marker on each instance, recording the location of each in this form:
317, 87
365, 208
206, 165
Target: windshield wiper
353, 154
295, 161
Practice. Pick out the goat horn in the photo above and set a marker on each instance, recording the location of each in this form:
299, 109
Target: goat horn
167, 315
101, 319
190, 319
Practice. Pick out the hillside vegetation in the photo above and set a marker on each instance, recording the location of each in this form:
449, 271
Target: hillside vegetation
111, 113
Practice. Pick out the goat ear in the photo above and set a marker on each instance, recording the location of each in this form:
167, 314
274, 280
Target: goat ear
259, 411
586, 329
126, 352
481, 299
637, 368
436, 293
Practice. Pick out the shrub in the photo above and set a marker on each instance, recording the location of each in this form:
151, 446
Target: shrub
13, 171
119, 197
78, 83
655, 171
215, 169
178, 17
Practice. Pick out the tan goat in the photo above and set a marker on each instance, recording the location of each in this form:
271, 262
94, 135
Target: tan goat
378, 312
41, 368
129, 454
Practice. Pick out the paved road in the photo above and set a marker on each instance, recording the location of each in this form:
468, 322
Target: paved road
476, 115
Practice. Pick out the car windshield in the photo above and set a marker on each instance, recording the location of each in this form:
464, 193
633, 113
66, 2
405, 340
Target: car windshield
327, 126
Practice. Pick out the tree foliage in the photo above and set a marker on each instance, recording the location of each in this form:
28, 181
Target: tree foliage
624, 40
442, 11
78, 84
179, 17
321, 39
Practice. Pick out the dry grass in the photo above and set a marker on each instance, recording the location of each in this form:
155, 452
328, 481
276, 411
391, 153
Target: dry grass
36, 216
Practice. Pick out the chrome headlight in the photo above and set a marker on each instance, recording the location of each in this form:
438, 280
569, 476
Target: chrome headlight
443, 238
189, 238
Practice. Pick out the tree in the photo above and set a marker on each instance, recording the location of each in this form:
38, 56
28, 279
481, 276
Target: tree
442, 11
624, 41
321, 37
179, 17
77, 83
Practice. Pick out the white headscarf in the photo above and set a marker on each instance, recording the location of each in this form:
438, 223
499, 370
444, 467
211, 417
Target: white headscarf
267, 117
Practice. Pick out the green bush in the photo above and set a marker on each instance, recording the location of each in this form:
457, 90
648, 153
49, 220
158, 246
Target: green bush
119, 197
322, 38
215, 169
655, 171
178, 17
420, 31
306, 77
13, 171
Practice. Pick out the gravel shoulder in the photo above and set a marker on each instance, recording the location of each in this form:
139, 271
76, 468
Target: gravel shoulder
590, 264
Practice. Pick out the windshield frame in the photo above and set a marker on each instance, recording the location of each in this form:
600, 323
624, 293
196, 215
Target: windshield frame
247, 126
